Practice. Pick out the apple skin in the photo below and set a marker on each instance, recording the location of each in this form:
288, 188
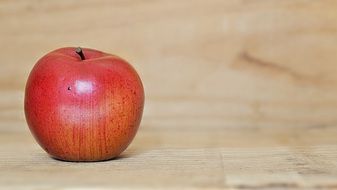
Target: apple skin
83, 110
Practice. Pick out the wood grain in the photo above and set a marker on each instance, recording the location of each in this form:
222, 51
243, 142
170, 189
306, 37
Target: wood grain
261, 63
239, 94
180, 157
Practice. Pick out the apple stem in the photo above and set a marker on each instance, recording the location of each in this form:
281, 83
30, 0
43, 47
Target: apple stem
80, 53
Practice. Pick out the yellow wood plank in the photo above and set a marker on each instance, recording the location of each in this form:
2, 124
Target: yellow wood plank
255, 63
184, 157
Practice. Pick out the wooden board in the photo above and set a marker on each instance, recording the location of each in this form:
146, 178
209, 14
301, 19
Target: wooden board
239, 94
181, 157
255, 63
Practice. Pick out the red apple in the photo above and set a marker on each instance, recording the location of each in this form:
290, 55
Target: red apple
83, 104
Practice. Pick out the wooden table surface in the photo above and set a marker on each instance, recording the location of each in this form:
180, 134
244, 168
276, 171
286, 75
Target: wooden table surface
239, 94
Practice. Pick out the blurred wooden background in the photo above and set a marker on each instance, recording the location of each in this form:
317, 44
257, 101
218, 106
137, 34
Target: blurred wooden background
216, 65
244, 63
